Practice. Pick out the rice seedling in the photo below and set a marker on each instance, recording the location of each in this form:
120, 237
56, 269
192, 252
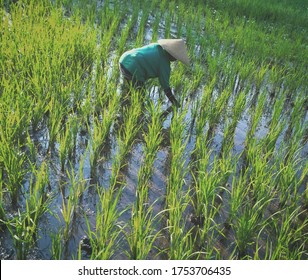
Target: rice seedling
289, 232
67, 141
247, 226
215, 114
38, 201
13, 123
71, 201
55, 120
131, 126
290, 185
155, 27
296, 119
21, 239
206, 190
57, 246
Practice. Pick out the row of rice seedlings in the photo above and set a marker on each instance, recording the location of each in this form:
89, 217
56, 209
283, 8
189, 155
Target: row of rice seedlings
288, 182
109, 26
105, 238
195, 73
23, 227
14, 164
296, 122
70, 201
72, 190
67, 141
290, 236
256, 114
238, 108
101, 132
209, 185
142, 235
216, 111
290, 223
248, 207
141, 27
258, 191
303, 178
211, 175
126, 32
178, 199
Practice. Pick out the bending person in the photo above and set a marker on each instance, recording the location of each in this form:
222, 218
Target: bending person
153, 61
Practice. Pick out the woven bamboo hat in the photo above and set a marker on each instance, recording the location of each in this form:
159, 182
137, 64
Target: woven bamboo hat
177, 48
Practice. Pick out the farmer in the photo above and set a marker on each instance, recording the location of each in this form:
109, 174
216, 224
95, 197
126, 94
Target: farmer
153, 61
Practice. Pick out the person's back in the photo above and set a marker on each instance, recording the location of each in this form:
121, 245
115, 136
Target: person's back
147, 62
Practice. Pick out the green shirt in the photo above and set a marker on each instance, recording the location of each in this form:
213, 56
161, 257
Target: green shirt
150, 61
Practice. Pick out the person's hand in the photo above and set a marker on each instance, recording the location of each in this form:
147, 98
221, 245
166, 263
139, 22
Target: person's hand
171, 97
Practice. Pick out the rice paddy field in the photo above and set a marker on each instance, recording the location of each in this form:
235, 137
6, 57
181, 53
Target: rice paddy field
89, 171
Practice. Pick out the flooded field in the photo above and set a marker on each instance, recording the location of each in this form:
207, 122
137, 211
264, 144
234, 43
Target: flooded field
88, 171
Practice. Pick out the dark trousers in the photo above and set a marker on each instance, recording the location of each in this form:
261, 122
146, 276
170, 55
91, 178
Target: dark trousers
130, 78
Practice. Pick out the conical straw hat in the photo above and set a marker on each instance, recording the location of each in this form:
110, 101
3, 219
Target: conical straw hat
177, 48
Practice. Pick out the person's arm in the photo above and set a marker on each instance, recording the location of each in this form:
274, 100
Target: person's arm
171, 97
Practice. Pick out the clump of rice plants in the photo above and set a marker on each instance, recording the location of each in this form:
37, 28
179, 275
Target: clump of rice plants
142, 234
177, 197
